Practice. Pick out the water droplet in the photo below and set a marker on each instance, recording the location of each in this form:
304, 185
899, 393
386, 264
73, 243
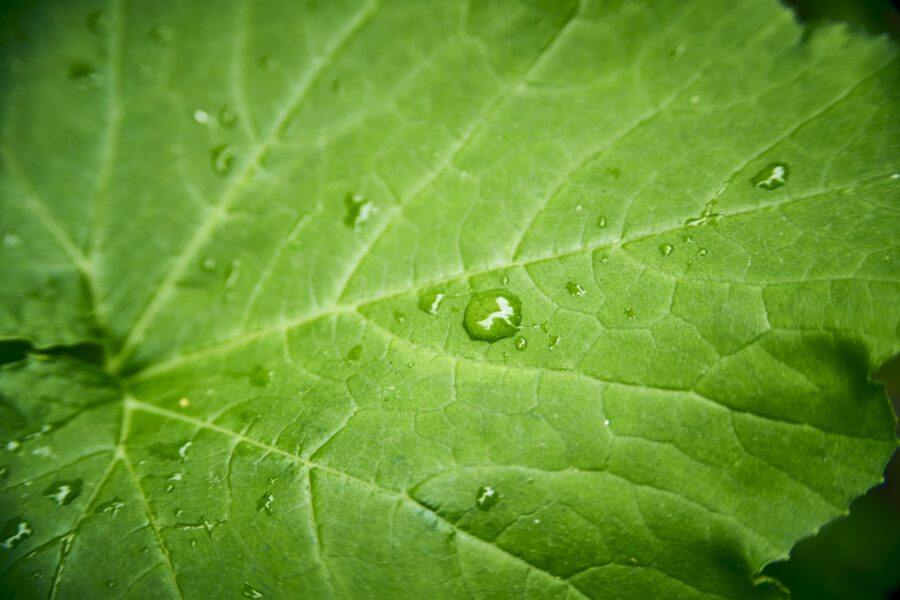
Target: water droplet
11, 239
4, 471
85, 76
553, 341
12, 445
160, 36
264, 504
110, 584
355, 352
98, 23
701, 252
606, 422
269, 63
227, 117
201, 116
574, 289
182, 451
492, 315
64, 492
895, 176
486, 497
359, 210
677, 51
687, 239
399, 316
709, 215
233, 273
666, 249
430, 301
614, 172
773, 176
521, 343
184, 402
110, 508
223, 158
601, 221
14, 533
504, 281
208, 264
629, 312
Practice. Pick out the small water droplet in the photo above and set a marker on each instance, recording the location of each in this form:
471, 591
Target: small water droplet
184, 402
98, 23
85, 75
504, 280
202, 117
895, 176
264, 504
486, 497
233, 273
492, 315
64, 492
574, 289
15, 532
110, 584
695, 99
553, 341
110, 508
666, 249
701, 252
269, 63
677, 51
521, 344
12, 445
250, 592
359, 210
773, 176
160, 36
430, 301
4, 471
606, 422
11, 239
629, 312
223, 158
614, 172
208, 264
259, 376
227, 117
601, 221
355, 352
399, 316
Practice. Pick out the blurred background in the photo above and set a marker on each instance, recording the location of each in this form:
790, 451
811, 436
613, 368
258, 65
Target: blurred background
857, 557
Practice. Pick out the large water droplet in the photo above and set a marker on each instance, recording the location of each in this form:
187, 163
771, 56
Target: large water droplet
98, 23
666, 248
773, 176
264, 504
359, 210
574, 289
492, 315
64, 492
15, 532
223, 158
250, 592
430, 301
486, 497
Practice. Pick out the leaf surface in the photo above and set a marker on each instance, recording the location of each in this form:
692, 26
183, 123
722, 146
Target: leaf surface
285, 221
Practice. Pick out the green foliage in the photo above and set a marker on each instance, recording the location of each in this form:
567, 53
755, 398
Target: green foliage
253, 258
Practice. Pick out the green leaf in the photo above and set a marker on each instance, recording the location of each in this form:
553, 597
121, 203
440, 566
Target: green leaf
283, 221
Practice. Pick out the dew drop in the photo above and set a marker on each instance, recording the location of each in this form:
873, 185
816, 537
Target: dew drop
110, 508
701, 252
521, 344
430, 301
601, 222
4, 471
504, 281
553, 341
264, 504
233, 273
160, 36
359, 210
85, 75
223, 158
11, 239
606, 422
399, 316
574, 289
202, 117
250, 592
15, 532
208, 264
492, 315
64, 492
355, 352
709, 215
110, 584
12, 445
629, 312
486, 497
773, 176
259, 376
98, 23
227, 117
666, 249
614, 172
